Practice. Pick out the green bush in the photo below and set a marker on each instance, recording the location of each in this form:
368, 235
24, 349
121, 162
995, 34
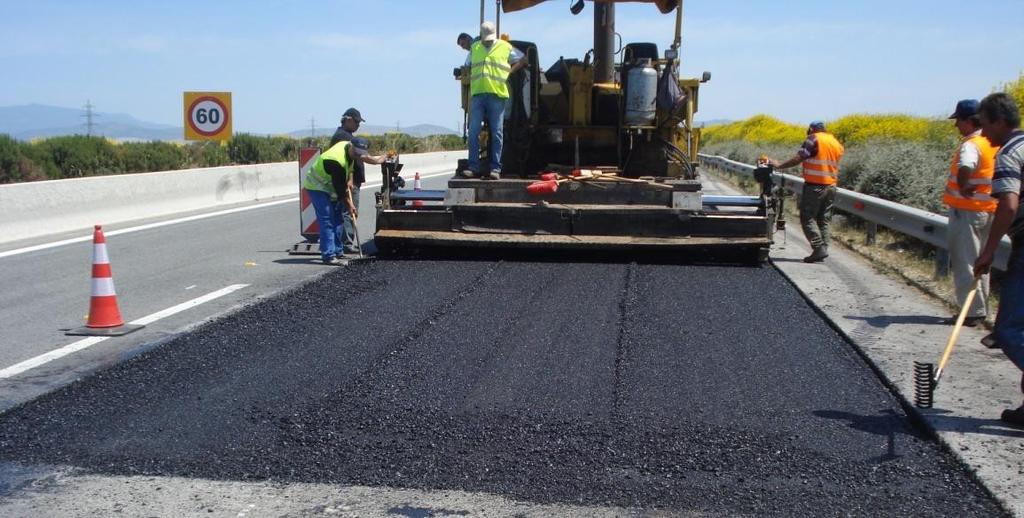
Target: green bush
207, 154
141, 157
909, 173
15, 166
80, 155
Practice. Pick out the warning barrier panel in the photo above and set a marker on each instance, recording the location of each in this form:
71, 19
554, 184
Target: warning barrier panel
308, 226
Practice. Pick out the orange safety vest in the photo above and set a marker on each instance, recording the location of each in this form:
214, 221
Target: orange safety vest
981, 200
823, 168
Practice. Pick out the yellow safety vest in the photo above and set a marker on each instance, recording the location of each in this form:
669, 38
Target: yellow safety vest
489, 74
981, 199
823, 168
318, 179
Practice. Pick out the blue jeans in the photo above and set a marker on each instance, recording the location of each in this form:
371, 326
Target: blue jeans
493, 108
1009, 328
329, 218
349, 231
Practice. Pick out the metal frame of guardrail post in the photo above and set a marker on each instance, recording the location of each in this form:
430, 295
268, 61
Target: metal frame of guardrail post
941, 263
871, 229
919, 224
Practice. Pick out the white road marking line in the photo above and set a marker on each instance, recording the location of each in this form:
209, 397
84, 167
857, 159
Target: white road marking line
189, 287
32, 363
44, 246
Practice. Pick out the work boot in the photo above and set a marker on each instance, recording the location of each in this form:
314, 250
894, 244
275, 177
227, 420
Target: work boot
352, 249
494, 175
990, 341
336, 261
1014, 416
817, 255
468, 173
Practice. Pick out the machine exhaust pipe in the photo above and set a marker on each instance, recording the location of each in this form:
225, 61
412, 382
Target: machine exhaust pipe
604, 42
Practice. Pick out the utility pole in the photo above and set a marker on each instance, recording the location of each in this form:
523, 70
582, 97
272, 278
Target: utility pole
312, 127
89, 116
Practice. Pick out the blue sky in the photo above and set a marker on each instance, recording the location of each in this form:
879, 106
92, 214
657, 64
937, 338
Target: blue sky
288, 61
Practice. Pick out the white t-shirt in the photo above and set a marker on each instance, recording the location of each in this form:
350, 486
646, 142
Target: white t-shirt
969, 152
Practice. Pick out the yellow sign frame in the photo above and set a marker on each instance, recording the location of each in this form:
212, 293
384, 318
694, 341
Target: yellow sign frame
207, 115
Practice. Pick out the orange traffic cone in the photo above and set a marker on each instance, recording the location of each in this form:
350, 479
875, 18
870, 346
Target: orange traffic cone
417, 186
104, 315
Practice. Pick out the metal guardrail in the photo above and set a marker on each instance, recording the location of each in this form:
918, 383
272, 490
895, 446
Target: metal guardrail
920, 224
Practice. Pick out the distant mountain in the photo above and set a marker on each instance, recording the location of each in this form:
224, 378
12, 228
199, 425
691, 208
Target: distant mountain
419, 130
31, 121
26, 122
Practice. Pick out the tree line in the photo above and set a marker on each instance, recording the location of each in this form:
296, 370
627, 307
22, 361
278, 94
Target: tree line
76, 156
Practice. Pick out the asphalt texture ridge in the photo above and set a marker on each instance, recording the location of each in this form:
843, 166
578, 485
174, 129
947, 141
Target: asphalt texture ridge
683, 388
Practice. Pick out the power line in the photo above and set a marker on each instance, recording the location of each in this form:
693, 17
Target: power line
89, 116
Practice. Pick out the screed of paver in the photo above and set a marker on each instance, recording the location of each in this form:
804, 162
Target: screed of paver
666, 388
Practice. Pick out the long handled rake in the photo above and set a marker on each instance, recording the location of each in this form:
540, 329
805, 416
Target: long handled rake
924, 380
355, 228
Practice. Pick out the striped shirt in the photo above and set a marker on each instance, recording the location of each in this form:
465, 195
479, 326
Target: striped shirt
809, 148
1008, 172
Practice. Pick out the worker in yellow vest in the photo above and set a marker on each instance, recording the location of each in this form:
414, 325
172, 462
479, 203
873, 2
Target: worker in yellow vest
492, 60
971, 207
328, 184
820, 155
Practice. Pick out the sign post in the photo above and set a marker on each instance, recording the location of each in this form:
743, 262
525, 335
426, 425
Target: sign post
207, 115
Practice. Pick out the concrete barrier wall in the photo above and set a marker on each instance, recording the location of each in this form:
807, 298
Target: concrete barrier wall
39, 208
36, 209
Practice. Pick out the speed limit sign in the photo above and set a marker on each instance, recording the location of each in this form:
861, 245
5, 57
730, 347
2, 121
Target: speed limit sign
207, 115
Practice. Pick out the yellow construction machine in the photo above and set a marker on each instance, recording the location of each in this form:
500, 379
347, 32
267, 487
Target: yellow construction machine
613, 133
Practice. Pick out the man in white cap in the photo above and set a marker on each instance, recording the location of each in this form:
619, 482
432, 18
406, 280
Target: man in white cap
492, 61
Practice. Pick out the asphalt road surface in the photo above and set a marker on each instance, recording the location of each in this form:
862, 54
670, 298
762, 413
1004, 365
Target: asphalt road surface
158, 264
673, 388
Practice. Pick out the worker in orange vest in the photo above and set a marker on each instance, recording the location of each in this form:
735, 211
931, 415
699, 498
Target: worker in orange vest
971, 207
820, 155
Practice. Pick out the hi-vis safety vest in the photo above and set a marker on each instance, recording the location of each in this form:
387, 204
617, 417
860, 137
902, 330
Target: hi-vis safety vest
318, 179
981, 199
823, 168
490, 70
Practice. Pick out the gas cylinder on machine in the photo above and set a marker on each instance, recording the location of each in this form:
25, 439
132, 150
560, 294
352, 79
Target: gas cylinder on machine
641, 94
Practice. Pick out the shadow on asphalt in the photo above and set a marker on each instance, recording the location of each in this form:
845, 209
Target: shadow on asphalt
424, 512
887, 422
977, 425
883, 321
312, 260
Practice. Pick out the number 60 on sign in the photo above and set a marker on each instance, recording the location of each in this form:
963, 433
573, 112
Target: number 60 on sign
207, 115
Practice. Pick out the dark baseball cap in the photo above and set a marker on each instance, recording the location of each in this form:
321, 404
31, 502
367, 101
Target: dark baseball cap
965, 108
360, 145
817, 125
353, 113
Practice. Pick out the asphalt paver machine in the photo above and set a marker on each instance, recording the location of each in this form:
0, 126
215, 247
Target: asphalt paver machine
614, 132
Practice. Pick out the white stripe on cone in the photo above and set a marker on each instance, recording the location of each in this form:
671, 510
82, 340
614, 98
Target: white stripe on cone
99, 254
103, 287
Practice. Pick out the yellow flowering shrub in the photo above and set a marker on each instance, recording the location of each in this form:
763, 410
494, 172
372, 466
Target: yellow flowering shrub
759, 129
860, 128
1016, 90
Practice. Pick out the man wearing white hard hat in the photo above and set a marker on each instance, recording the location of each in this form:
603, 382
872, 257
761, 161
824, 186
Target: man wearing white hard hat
492, 61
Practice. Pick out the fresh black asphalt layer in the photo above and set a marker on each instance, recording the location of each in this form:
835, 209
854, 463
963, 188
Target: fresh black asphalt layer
683, 388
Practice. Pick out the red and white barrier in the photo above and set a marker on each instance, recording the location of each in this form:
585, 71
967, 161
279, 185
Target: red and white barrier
308, 225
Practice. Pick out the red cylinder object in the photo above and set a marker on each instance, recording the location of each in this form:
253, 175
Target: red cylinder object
549, 176
542, 187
